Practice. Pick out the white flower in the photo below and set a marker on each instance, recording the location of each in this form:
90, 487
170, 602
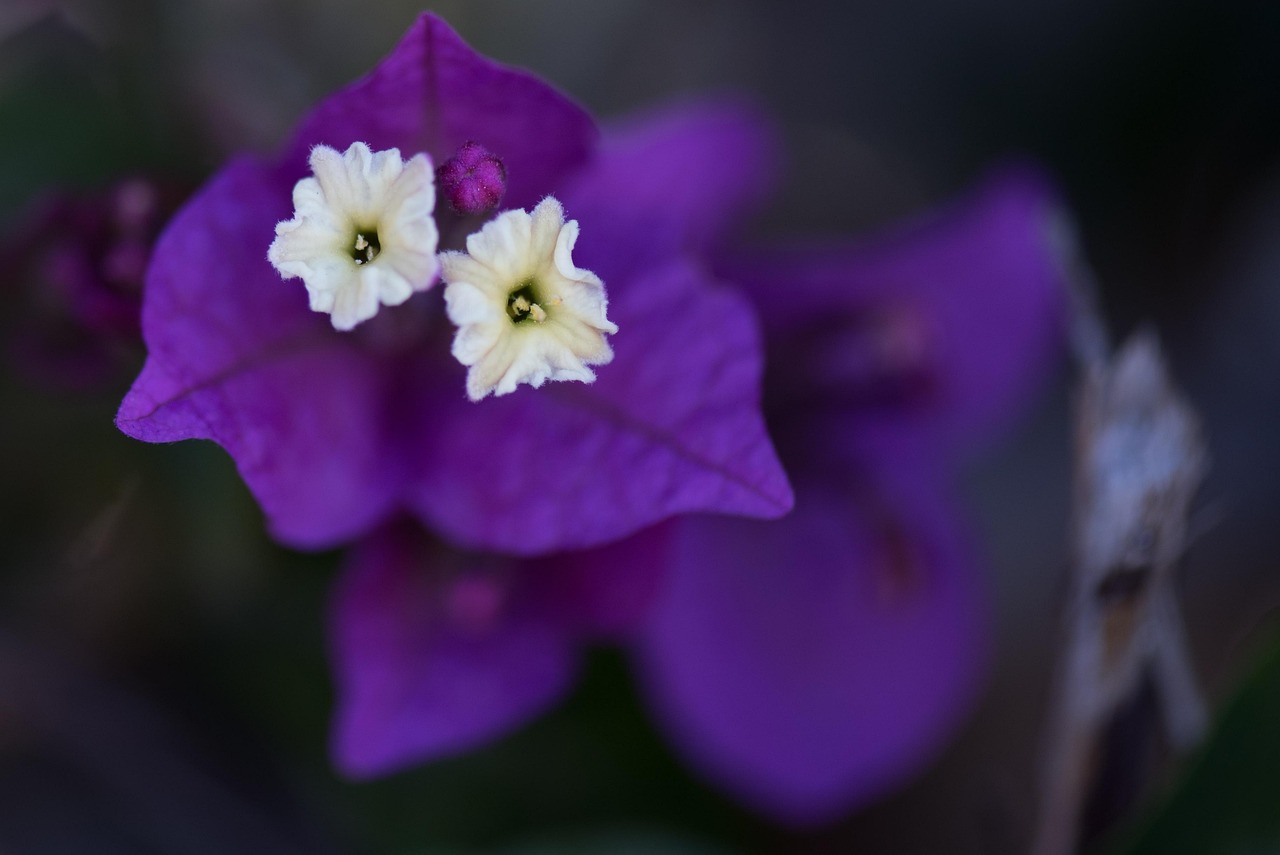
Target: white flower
362, 232
524, 312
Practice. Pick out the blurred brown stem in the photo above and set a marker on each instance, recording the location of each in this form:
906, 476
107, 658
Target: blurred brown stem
1139, 459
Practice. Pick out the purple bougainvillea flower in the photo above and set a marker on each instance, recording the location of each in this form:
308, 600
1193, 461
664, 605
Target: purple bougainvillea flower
337, 432
806, 664
72, 281
813, 663
436, 650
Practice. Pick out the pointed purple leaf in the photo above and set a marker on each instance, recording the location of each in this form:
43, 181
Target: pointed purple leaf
436, 650
333, 433
433, 93
235, 356
434, 653
979, 287
672, 425
813, 663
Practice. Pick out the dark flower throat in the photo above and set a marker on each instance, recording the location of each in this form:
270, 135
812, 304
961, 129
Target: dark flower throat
366, 246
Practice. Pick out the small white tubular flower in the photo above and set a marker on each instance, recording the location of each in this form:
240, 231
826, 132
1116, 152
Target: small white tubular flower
524, 312
362, 232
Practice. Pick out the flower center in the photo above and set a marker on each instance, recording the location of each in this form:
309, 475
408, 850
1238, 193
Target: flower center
366, 247
522, 305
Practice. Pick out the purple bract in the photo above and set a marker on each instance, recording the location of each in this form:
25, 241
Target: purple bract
336, 433
813, 663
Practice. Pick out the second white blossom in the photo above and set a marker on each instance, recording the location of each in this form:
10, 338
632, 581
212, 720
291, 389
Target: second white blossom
525, 313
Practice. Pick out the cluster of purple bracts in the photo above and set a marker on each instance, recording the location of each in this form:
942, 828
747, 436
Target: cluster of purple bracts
752, 498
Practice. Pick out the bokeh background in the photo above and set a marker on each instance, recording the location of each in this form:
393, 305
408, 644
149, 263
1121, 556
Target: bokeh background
162, 665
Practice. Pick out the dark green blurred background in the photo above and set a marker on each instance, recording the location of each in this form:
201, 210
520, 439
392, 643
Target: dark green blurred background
162, 677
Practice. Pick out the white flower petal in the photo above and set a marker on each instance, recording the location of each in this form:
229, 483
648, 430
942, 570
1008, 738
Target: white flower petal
503, 246
356, 301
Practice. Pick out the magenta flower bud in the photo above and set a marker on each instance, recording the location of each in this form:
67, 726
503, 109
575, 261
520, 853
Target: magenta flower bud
473, 181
